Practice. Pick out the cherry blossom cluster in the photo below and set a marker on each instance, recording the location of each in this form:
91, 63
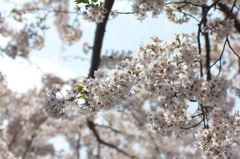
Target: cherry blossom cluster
141, 7
166, 72
70, 34
54, 106
174, 119
218, 140
170, 123
19, 45
169, 73
220, 27
92, 95
113, 58
23, 42
114, 13
181, 11
106, 90
173, 15
94, 13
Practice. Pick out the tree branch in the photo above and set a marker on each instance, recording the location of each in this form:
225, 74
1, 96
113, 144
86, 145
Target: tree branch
112, 129
207, 45
98, 41
91, 126
204, 15
49, 10
227, 11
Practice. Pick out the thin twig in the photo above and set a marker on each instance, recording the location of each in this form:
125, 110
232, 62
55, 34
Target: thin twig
220, 58
231, 48
91, 126
193, 125
114, 130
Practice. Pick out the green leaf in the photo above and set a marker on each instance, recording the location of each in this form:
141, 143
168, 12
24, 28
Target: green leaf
82, 97
13, 10
82, 1
170, 10
79, 87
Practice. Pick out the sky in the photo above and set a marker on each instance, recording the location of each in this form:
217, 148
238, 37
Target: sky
124, 32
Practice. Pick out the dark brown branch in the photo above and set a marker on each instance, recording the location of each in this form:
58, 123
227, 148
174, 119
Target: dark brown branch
107, 127
231, 48
227, 11
207, 9
185, 3
91, 126
207, 46
204, 15
98, 41
204, 116
199, 49
193, 125
197, 115
208, 55
125, 12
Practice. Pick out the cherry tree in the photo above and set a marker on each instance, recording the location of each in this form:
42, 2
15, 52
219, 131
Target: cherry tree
178, 99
